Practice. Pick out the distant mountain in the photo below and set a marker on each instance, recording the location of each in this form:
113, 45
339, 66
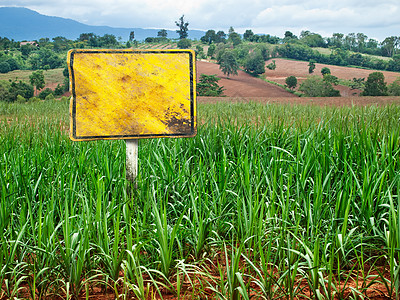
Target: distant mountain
22, 24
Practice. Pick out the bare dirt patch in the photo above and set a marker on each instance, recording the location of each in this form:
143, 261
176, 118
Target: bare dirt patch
285, 68
243, 84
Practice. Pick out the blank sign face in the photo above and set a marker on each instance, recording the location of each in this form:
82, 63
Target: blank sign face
131, 94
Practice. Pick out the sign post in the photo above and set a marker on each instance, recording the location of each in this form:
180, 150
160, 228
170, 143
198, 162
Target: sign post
132, 94
132, 152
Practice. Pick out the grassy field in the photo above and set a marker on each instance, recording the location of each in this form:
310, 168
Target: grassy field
328, 51
267, 201
51, 77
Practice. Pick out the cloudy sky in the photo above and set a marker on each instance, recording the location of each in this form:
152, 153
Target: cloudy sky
376, 19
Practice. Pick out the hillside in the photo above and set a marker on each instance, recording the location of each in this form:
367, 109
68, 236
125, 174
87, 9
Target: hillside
286, 67
21, 24
243, 84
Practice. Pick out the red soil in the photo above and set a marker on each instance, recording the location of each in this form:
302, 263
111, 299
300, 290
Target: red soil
285, 68
244, 87
243, 84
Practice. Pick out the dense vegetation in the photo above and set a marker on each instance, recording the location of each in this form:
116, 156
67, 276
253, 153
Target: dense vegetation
232, 51
267, 200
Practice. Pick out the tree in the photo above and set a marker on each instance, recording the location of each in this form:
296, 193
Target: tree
61, 43
248, 35
394, 63
221, 37
228, 63
27, 49
209, 37
389, 45
4, 67
108, 40
255, 63
361, 41
289, 37
350, 41
264, 51
311, 66
85, 37
291, 82
337, 40
162, 33
183, 28
375, 85
37, 80
200, 52
234, 37
211, 50
208, 86
312, 39
45, 58
131, 36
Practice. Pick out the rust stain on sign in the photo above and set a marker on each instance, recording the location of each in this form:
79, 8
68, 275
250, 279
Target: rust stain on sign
130, 94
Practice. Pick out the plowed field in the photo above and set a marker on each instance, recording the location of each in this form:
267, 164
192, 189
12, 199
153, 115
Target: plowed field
244, 87
285, 68
243, 84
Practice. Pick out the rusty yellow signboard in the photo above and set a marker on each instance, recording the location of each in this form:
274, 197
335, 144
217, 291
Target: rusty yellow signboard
131, 94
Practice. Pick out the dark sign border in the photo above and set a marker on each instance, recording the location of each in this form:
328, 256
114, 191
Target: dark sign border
137, 136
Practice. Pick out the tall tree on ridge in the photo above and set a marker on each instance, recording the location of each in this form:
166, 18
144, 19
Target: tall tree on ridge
183, 28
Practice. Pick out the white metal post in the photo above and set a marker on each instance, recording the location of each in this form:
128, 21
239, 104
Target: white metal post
132, 151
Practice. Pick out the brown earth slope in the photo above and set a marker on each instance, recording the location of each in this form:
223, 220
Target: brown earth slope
285, 68
243, 84
244, 88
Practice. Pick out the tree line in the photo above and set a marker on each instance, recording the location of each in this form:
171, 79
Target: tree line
231, 50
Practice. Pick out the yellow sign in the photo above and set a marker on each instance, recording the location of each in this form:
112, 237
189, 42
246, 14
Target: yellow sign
131, 94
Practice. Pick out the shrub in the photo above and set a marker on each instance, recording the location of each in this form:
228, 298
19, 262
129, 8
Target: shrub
184, 44
311, 66
34, 99
49, 97
272, 66
43, 94
4, 90
20, 99
291, 82
325, 71
59, 90
394, 87
315, 86
357, 83
331, 79
20, 88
